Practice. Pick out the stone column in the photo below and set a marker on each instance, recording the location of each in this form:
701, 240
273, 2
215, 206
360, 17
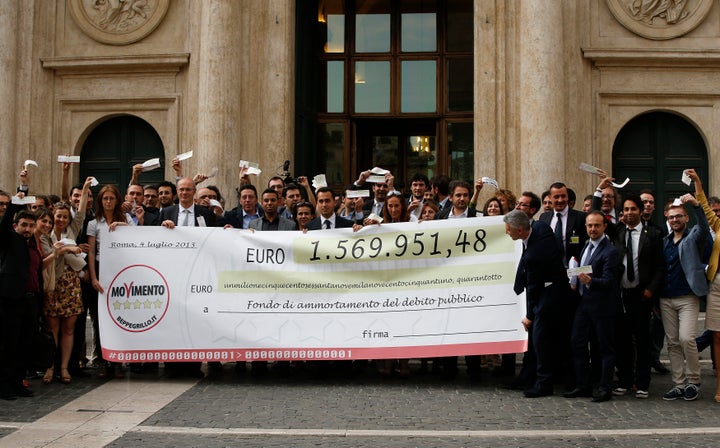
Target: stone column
8, 86
218, 124
542, 94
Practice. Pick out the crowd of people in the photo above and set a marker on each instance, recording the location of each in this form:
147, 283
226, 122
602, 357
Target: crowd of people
605, 286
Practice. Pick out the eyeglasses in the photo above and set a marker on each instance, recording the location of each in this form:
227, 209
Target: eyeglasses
150, 195
4, 204
303, 204
673, 217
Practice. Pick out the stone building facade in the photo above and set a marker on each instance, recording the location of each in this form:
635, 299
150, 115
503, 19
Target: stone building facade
627, 85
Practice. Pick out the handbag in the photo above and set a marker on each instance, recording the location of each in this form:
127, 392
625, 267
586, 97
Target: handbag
49, 278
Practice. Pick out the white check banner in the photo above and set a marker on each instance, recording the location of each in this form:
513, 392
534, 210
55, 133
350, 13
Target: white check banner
439, 288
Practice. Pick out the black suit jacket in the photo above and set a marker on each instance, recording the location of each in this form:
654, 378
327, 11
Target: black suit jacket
541, 272
340, 223
14, 258
234, 217
445, 212
651, 262
600, 296
171, 213
575, 235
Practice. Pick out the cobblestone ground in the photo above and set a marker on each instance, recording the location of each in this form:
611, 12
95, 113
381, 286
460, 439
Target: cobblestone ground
214, 410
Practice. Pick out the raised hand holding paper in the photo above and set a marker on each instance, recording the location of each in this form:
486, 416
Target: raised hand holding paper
185, 155
151, 164
68, 159
319, 181
252, 167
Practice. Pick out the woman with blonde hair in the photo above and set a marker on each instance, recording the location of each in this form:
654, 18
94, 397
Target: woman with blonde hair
63, 302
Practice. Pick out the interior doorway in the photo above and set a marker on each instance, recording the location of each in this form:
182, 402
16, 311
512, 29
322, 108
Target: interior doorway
404, 147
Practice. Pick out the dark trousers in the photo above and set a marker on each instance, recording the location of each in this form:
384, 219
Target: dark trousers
543, 338
585, 321
633, 340
657, 337
18, 323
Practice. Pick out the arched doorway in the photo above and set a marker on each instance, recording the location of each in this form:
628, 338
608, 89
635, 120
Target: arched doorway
652, 149
115, 145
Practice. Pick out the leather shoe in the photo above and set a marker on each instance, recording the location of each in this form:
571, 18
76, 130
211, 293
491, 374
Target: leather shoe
23, 392
537, 392
578, 392
602, 396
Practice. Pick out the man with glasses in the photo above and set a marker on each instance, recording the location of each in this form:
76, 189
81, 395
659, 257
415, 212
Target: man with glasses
151, 200
679, 299
529, 203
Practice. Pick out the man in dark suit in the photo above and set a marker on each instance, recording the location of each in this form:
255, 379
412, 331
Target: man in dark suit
542, 276
596, 310
186, 213
640, 249
20, 292
460, 198
569, 229
328, 219
572, 234
247, 209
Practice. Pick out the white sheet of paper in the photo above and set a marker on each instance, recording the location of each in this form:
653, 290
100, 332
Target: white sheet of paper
357, 193
319, 181
30, 162
216, 203
627, 179
490, 181
94, 182
24, 201
589, 168
379, 171
69, 159
185, 155
201, 221
68, 242
677, 202
151, 164
374, 217
572, 272
685, 178
376, 179
253, 167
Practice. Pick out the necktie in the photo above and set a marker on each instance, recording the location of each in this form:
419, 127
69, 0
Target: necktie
327, 224
609, 218
630, 262
186, 218
588, 255
585, 262
559, 231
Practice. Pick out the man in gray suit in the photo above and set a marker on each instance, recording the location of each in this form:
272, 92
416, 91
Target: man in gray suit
271, 220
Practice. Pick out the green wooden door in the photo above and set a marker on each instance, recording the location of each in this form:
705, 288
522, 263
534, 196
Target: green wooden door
652, 150
115, 145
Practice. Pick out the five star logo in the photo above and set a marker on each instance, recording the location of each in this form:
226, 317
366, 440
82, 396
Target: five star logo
138, 298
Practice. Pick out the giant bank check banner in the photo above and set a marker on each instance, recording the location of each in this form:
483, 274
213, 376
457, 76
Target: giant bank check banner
409, 290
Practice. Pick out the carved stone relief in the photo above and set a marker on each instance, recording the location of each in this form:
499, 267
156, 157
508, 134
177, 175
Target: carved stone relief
118, 22
660, 19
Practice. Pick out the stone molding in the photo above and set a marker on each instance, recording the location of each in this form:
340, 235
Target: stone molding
117, 64
118, 22
612, 57
660, 20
